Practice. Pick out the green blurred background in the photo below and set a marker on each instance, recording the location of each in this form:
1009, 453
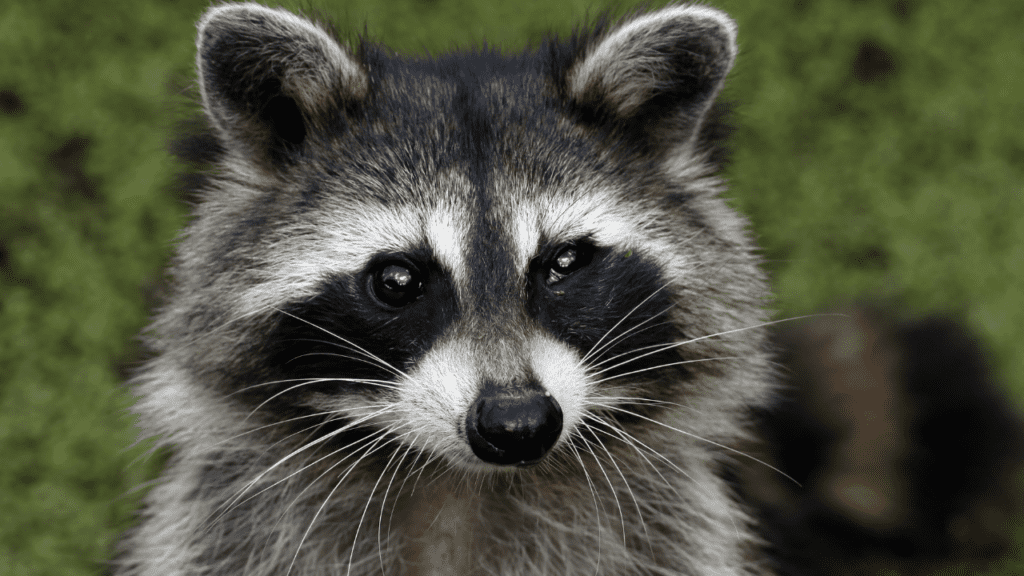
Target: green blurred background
880, 154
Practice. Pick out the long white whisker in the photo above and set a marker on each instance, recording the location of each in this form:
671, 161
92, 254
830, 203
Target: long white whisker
625, 482
698, 437
647, 401
370, 450
632, 351
597, 508
300, 385
611, 486
611, 359
309, 445
387, 490
354, 346
238, 500
388, 384
375, 437
273, 424
661, 366
634, 442
598, 347
369, 500
663, 347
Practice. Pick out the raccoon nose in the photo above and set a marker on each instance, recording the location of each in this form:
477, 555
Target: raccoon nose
517, 427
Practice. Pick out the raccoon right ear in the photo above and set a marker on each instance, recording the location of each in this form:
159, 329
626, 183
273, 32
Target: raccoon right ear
659, 71
268, 77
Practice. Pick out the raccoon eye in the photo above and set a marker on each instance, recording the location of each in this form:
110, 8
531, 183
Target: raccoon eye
396, 284
567, 260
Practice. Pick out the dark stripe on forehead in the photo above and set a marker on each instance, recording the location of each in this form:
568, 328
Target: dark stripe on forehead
490, 268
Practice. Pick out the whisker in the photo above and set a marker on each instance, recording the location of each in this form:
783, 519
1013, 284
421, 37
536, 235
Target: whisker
230, 439
660, 367
632, 441
300, 385
238, 500
309, 445
387, 490
251, 387
375, 438
597, 348
354, 346
702, 439
597, 509
641, 400
658, 348
611, 359
380, 521
625, 483
362, 358
370, 450
369, 500
622, 518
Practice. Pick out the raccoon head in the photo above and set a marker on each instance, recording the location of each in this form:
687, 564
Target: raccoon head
485, 257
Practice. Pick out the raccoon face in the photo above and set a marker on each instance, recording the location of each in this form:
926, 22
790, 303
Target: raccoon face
480, 257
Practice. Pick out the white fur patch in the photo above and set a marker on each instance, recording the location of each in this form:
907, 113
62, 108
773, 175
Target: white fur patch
299, 262
434, 399
597, 215
560, 370
173, 405
448, 240
568, 217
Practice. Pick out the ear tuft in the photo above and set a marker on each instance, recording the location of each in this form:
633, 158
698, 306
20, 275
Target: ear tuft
267, 77
667, 65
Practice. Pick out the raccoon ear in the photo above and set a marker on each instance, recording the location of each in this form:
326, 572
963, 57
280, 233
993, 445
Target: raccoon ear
662, 69
268, 77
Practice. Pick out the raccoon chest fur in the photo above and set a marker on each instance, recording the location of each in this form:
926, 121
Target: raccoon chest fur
483, 313
442, 534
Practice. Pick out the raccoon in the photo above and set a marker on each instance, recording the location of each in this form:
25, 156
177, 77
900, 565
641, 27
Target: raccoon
482, 313
906, 454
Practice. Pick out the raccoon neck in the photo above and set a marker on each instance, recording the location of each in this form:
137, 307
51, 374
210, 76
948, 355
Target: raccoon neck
533, 527
440, 532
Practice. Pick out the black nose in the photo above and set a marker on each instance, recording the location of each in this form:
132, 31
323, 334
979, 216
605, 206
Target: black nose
513, 426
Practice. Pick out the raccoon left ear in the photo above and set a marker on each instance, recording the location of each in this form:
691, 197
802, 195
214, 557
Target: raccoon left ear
664, 66
268, 77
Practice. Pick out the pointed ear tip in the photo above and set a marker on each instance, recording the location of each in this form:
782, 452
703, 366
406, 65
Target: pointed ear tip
220, 10
216, 12
228, 10
704, 12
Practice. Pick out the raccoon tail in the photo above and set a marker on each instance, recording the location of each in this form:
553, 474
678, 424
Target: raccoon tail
908, 454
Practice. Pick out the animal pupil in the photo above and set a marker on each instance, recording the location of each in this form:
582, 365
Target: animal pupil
396, 285
568, 260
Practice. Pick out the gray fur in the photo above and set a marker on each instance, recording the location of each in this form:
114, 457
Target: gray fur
333, 157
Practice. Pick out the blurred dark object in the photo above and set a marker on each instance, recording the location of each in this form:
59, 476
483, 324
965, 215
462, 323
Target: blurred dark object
907, 453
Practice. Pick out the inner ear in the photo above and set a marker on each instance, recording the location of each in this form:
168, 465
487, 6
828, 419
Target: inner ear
284, 118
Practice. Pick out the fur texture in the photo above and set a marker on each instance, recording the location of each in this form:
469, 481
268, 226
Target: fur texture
907, 453
479, 314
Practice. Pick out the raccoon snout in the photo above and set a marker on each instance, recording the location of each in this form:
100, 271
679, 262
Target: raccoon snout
516, 426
